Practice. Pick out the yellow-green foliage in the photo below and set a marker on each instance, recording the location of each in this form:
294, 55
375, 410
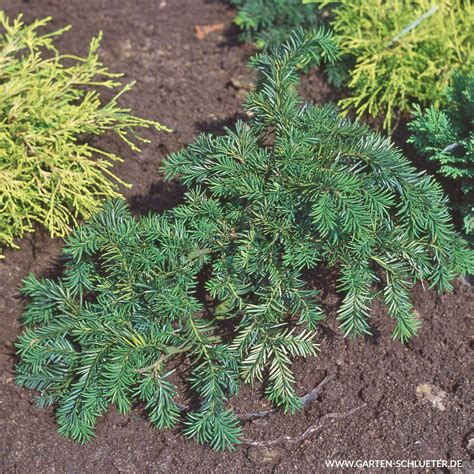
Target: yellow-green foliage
49, 173
404, 50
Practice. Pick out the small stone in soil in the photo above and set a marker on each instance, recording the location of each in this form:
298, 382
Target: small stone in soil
265, 455
470, 445
260, 421
432, 394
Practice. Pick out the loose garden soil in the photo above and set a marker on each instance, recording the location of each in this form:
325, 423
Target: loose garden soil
415, 401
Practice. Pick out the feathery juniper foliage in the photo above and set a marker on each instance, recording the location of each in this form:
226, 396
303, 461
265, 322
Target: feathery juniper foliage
269, 22
404, 50
294, 187
446, 136
48, 172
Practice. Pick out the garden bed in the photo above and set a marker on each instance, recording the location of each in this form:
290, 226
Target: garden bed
413, 401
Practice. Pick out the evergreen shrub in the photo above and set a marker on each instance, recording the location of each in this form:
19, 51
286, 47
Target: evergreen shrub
446, 137
218, 282
50, 172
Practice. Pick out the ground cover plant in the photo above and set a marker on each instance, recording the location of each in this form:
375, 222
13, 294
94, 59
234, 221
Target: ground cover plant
269, 22
446, 137
219, 280
50, 172
403, 51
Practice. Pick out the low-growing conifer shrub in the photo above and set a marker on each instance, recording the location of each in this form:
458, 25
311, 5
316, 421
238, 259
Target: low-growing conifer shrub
50, 173
218, 281
446, 137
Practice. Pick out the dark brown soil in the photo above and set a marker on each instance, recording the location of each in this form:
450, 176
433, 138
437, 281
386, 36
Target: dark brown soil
187, 85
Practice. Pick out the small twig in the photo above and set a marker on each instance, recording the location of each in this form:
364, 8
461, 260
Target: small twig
182, 407
413, 25
314, 394
451, 147
257, 414
465, 281
397, 123
306, 400
308, 432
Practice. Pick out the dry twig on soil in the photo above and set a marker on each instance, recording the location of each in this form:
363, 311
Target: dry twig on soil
288, 440
306, 400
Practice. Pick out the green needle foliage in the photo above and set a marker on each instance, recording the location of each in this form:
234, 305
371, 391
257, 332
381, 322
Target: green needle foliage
268, 22
404, 51
49, 173
219, 280
446, 136
106, 332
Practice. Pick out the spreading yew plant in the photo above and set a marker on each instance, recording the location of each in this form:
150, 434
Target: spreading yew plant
446, 137
401, 52
215, 287
50, 107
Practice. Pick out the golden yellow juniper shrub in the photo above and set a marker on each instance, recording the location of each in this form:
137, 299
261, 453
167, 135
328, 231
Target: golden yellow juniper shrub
404, 51
49, 108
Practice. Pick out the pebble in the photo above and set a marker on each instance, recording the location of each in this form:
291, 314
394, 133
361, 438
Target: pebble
265, 455
432, 394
